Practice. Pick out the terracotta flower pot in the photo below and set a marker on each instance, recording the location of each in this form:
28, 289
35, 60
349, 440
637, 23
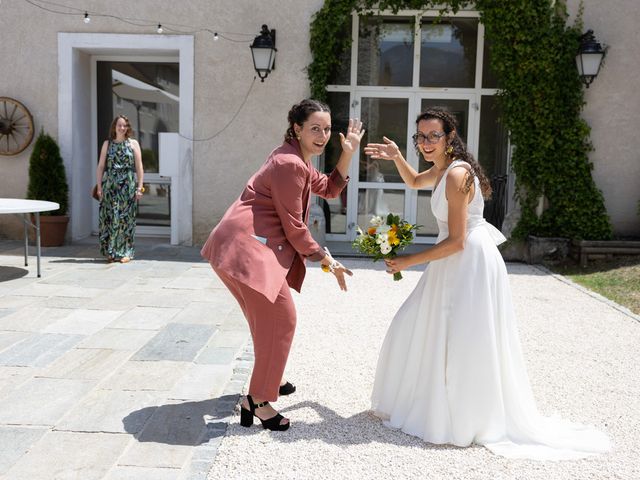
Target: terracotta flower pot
52, 229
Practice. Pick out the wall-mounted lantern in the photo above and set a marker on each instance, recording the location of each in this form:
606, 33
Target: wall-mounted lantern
263, 51
589, 57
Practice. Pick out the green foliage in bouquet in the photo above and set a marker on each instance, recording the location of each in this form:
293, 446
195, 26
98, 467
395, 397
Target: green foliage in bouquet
385, 239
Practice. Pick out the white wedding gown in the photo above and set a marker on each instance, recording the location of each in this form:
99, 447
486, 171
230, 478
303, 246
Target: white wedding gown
451, 368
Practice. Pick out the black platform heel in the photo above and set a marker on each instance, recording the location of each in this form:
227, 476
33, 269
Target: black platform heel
287, 389
273, 423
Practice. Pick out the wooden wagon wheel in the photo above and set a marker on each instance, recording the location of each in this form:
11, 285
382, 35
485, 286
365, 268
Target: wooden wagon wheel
16, 126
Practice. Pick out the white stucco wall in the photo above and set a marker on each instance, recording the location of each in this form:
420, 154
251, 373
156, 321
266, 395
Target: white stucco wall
613, 109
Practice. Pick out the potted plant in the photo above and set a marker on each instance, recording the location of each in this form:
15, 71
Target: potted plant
48, 181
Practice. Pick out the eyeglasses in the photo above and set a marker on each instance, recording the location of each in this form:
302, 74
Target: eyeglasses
431, 137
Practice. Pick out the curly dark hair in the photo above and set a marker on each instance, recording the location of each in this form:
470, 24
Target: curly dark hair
460, 152
299, 114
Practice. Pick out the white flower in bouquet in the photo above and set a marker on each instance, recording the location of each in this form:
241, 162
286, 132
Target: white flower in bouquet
385, 248
382, 238
376, 221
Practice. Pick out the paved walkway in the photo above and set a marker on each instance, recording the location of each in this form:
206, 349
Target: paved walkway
115, 371
111, 371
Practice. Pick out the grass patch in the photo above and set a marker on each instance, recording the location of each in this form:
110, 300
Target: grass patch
617, 279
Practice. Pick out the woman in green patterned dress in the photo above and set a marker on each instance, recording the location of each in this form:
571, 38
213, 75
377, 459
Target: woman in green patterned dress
117, 192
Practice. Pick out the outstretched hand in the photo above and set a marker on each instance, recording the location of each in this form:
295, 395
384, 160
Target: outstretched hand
339, 270
383, 151
351, 142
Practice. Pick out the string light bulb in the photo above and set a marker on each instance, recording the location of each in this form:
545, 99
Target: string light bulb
87, 18
215, 36
159, 30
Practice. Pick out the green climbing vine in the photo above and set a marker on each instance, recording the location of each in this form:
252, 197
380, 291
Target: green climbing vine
533, 51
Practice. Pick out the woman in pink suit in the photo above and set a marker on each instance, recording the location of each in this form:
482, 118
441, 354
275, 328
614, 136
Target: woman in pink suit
260, 246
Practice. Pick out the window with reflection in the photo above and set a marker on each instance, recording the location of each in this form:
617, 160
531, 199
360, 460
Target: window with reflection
154, 208
489, 78
385, 51
383, 117
335, 209
426, 220
448, 52
493, 156
378, 201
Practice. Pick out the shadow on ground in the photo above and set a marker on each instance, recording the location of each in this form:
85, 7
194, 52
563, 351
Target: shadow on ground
11, 273
186, 423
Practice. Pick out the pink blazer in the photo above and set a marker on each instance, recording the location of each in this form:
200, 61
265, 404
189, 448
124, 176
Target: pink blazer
274, 206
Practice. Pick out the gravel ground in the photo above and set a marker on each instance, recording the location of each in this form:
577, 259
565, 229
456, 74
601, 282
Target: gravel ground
582, 357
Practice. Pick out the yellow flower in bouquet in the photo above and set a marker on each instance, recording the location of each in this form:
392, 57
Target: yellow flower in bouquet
385, 238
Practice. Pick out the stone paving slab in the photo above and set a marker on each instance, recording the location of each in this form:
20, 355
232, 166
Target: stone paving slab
177, 342
39, 349
33, 318
118, 339
153, 375
207, 313
18, 301
70, 456
110, 411
201, 382
83, 322
42, 401
156, 455
145, 318
15, 442
8, 339
86, 364
140, 473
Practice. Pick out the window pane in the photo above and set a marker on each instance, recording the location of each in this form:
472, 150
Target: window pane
376, 201
342, 74
489, 79
448, 52
460, 110
426, 220
154, 208
492, 150
493, 155
147, 93
385, 52
383, 117
335, 209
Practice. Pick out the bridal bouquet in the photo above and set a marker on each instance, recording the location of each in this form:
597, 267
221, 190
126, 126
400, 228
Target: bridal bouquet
385, 239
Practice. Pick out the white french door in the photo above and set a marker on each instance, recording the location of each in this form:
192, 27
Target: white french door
376, 187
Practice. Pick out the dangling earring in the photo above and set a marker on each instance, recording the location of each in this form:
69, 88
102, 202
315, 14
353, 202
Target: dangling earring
449, 150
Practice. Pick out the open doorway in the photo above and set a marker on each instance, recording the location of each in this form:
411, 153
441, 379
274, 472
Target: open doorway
147, 93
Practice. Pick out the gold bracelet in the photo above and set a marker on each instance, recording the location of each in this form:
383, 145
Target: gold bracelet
325, 268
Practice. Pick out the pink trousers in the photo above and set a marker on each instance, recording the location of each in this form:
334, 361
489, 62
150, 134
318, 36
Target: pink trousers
272, 326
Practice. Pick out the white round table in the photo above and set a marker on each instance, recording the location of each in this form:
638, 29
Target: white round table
23, 206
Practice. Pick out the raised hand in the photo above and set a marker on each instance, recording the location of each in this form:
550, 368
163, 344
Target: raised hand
351, 142
383, 151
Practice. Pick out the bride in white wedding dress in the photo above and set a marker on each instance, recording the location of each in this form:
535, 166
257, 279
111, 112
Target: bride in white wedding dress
451, 368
